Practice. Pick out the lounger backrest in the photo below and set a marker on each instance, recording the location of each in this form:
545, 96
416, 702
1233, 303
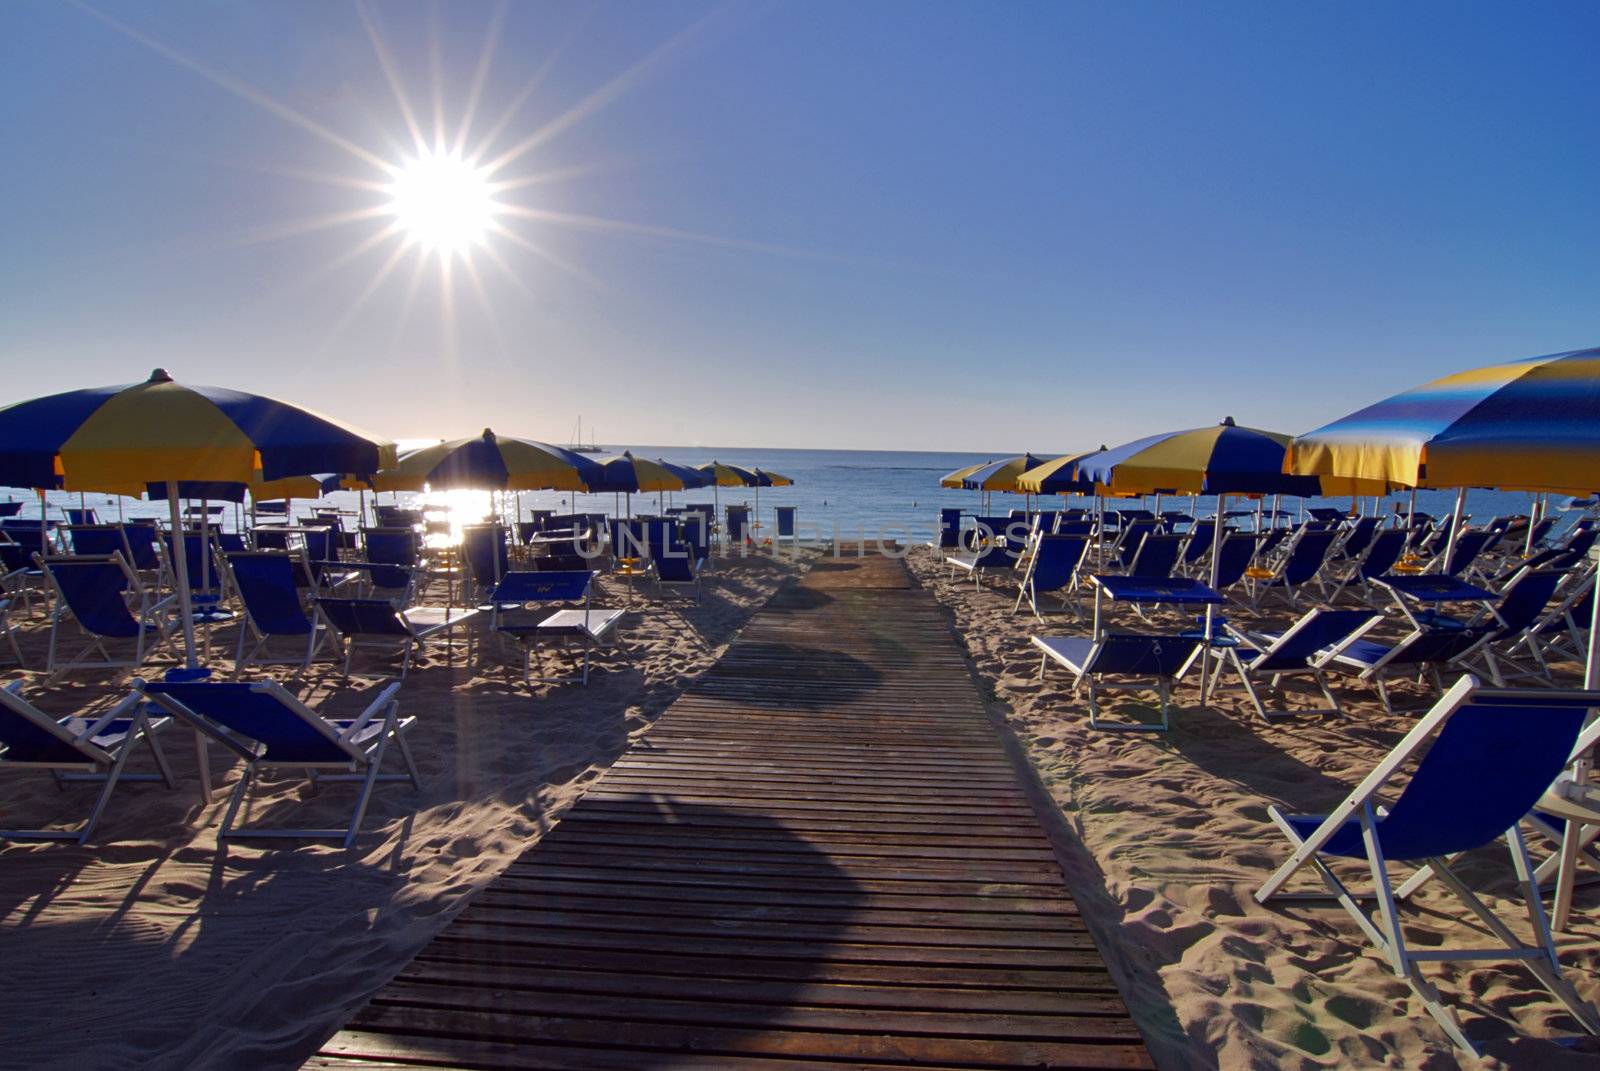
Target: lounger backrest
322, 544
396, 547
1582, 540
1056, 560
1432, 646
202, 571
1468, 546
94, 591
673, 570
949, 529
1200, 540
524, 587
141, 541
1234, 557
1541, 530
363, 617
1156, 557
270, 538
16, 556
1315, 632
258, 712
1074, 526
485, 549
1493, 759
266, 582
1525, 598
1270, 540
1133, 654
1383, 551
1308, 555
27, 734
1133, 534
1360, 536
98, 539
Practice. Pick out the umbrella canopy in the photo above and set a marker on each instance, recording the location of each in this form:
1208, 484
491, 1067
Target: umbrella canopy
1221, 459
625, 473
120, 438
1528, 425
691, 476
1001, 475
730, 475
489, 462
772, 479
957, 480
1058, 477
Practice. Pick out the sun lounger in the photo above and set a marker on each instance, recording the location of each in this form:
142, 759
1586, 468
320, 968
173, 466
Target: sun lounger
108, 603
272, 731
520, 605
676, 567
1052, 569
1301, 564
1157, 556
1308, 645
1155, 660
1483, 758
1425, 650
269, 586
76, 749
1382, 552
375, 624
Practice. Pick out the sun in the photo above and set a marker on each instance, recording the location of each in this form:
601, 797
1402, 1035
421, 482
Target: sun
442, 202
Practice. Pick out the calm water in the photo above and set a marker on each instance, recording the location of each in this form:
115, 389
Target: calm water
878, 492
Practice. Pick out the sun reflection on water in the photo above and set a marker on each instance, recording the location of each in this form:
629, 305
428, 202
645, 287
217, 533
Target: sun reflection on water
457, 509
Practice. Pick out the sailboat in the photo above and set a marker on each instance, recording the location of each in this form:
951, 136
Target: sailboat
577, 446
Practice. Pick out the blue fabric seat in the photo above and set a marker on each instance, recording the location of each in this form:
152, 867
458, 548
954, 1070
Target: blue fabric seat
1053, 569
271, 730
529, 607
270, 585
95, 594
1304, 648
1157, 660
1479, 762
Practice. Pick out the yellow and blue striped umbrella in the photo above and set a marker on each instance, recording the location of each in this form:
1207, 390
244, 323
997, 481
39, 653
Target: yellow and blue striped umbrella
1528, 425
489, 462
957, 480
120, 438
625, 474
1058, 477
729, 475
1221, 459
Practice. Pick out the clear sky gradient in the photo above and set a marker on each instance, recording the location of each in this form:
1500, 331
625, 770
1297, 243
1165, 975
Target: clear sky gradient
864, 225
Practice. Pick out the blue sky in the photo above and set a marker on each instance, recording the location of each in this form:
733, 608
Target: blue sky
881, 225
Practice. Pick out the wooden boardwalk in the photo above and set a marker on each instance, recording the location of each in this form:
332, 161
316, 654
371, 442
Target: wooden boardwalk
818, 857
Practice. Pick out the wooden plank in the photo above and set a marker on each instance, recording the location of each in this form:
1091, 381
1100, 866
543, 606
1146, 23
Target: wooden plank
818, 857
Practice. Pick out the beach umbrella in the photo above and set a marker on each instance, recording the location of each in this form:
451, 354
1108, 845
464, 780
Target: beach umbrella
727, 476
625, 473
488, 462
1058, 477
767, 479
1001, 475
957, 480
120, 438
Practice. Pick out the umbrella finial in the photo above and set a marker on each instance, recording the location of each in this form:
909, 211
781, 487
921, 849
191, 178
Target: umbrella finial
488, 436
160, 375
1227, 422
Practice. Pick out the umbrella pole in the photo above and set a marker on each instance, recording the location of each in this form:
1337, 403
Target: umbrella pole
1216, 545
1277, 500
1411, 517
119, 509
44, 543
1455, 527
1533, 518
180, 571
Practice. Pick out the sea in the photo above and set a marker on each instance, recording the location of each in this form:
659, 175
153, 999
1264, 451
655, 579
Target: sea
837, 494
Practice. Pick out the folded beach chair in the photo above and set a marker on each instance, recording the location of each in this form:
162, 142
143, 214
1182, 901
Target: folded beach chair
1482, 759
1301, 564
738, 524
521, 602
1052, 569
76, 749
947, 540
1423, 652
108, 603
375, 624
1305, 648
270, 584
273, 731
1157, 660
269, 538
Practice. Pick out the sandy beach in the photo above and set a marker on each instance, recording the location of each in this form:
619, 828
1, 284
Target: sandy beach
1174, 827
152, 947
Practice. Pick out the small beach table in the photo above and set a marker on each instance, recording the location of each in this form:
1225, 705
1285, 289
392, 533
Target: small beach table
1430, 590
1179, 591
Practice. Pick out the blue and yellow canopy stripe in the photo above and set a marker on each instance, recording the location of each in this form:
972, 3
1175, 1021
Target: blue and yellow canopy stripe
957, 480
730, 475
1058, 477
1221, 459
120, 438
1001, 475
489, 462
1531, 425
625, 473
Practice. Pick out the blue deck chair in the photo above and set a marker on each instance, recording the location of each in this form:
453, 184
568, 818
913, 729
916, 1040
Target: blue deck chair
1305, 648
322, 544
1383, 551
1053, 569
98, 540
1157, 556
375, 624
206, 577
269, 585
231, 543
75, 749
21, 577
269, 538
1130, 537
676, 566
1562, 557
1422, 652
1482, 759
738, 524
143, 555
393, 563
1512, 620
1198, 545
1157, 660
1301, 564
1563, 630
108, 603
272, 731
785, 516
998, 556
521, 605
1238, 550
483, 546
1469, 546
1357, 538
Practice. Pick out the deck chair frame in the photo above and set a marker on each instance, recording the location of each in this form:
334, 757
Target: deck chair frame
1266, 648
100, 764
1385, 932
149, 612
1086, 673
362, 761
